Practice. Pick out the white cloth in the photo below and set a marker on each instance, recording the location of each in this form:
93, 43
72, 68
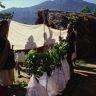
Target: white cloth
66, 69
24, 36
35, 89
49, 84
59, 77
20, 56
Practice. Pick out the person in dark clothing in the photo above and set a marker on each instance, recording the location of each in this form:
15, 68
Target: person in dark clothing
71, 46
6, 75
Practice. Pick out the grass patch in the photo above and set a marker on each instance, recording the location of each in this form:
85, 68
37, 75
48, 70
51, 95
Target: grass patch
22, 84
81, 62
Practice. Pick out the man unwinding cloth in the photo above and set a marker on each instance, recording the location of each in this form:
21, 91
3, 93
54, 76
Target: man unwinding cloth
71, 38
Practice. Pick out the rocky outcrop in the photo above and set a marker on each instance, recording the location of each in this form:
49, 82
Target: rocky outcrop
85, 27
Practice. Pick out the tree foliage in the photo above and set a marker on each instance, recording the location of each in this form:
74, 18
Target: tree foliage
94, 11
47, 60
73, 19
4, 16
86, 9
1, 5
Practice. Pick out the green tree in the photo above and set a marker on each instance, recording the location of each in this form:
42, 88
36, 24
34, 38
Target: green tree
73, 19
1, 5
5, 15
94, 11
86, 9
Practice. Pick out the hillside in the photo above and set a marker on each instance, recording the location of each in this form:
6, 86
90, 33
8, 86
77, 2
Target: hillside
29, 14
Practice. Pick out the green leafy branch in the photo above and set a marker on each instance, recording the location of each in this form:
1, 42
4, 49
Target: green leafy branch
38, 63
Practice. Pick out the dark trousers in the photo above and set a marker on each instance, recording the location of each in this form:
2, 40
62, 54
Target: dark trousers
19, 64
69, 60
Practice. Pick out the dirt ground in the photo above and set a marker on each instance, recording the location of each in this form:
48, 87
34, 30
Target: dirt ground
83, 82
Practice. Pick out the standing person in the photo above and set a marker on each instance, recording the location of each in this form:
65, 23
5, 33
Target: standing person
71, 38
20, 59
6, 70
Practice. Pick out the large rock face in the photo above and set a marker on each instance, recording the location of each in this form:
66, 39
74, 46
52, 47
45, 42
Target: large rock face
85, 27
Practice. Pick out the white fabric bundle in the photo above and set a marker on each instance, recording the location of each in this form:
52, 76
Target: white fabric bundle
59, 77
66, 69
35, 89
49, 84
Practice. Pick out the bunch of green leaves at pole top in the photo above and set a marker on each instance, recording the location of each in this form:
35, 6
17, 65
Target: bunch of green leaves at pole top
48, 60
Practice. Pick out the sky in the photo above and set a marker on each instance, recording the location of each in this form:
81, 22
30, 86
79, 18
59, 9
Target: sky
92, 1
26, 3
20, 3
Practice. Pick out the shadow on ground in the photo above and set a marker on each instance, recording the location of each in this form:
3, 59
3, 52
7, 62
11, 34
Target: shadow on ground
16, 90
83, 83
